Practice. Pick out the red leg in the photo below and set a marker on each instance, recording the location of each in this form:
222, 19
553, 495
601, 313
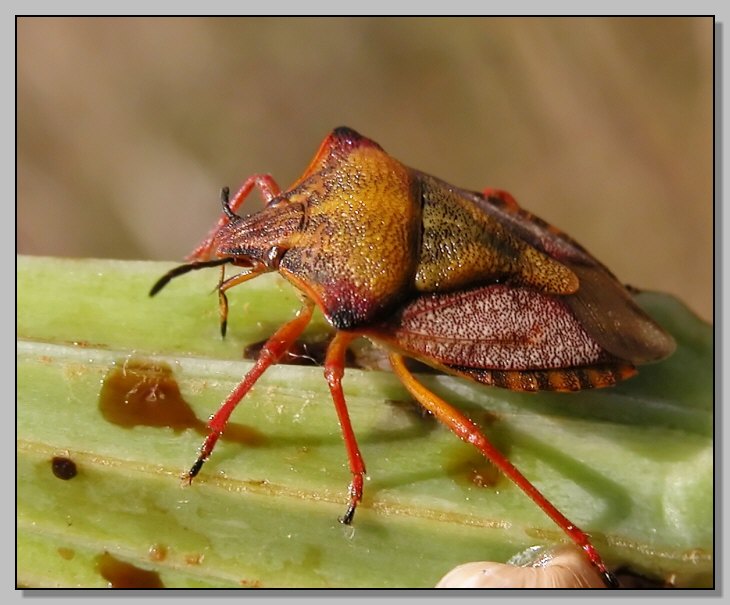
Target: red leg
334, 370
506, 198
466, 430
272, 351
269, 190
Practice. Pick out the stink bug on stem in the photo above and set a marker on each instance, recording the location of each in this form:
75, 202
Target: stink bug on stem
466, 282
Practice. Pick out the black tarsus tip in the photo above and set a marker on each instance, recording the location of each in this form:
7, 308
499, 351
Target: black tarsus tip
346, 519
195, 469
224, 328
610, 580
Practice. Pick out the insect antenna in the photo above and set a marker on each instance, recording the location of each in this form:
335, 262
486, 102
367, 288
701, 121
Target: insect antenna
226, 203
182, 269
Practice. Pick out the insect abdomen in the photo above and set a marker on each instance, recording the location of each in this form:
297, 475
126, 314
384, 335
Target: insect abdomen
567, 379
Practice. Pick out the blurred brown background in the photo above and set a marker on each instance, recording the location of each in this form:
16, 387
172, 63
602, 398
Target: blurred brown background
127, 128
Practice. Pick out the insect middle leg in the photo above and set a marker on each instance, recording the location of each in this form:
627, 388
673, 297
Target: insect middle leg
467, 431
334, 370
272, 351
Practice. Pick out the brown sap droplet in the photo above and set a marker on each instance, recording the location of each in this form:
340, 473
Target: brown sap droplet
125, 575
484, 474
140, 392
474, 469
194, 558
471, 466
66, 553
145, 393
158, 552
63, 468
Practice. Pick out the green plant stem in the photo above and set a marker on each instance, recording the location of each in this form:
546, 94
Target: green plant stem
631, 465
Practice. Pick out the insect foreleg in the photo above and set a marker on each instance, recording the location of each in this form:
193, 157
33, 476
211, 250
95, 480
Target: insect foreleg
272, 351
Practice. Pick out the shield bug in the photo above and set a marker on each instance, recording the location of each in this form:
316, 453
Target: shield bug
466, 282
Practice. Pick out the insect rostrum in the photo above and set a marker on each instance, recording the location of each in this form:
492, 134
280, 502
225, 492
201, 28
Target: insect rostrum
466, 282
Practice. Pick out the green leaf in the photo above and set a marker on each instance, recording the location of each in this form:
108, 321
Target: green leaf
632, 465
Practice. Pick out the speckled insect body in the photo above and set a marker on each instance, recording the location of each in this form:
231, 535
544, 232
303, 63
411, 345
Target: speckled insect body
466, 282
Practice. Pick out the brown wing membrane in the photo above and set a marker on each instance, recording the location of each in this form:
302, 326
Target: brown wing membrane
521, 339
607, 311
497, 327
602, 306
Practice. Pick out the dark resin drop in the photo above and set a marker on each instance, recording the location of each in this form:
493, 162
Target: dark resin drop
140, 392
63, 468
125, 575
145, 393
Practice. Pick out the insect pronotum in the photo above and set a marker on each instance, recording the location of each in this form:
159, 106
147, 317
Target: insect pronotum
466, 282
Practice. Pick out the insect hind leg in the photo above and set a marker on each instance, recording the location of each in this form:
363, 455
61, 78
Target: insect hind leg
467, 431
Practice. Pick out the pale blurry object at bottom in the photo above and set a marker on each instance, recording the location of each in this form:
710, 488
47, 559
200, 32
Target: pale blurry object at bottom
564, 567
